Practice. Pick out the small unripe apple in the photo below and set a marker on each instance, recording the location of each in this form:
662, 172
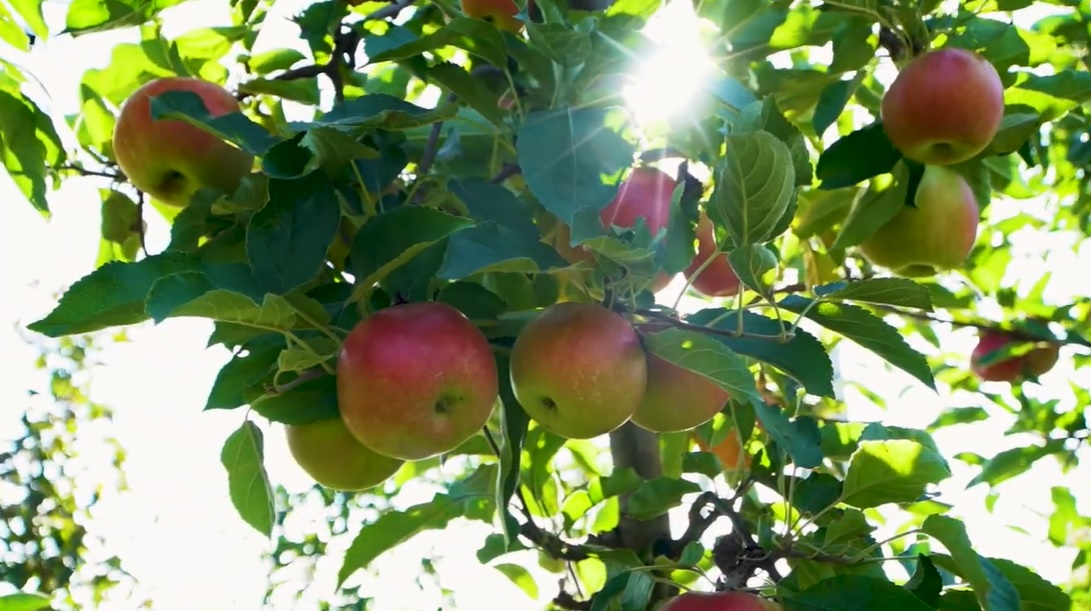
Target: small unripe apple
936, 235
718, 278
416, 380
579, 370
677, 399
327, 451
501, 12
720, 601
944, 107
170, 160
1034, 363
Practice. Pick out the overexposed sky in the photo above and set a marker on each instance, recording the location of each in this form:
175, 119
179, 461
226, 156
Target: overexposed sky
177, 531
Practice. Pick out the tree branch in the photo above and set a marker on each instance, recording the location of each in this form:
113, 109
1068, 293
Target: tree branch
680, 324
85, 172
1022, 334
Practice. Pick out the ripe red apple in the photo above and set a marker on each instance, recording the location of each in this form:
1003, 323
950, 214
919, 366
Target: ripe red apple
935, 236
1033, 363
578, 369
170, 160
677, 399
717, 279
944, 107
327, 451
416, 380
720, 601
500, 12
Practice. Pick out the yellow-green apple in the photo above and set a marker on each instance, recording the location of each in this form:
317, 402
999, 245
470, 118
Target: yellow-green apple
416, 380
934, 236
720, 601
646, 194
579, 370
169, 159
677, 399
944, 107
718, 278
1033, 363
500, 12
327, 451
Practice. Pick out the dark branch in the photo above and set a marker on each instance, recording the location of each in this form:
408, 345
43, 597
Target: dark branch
506, 171
680, 324
1021, 334
85, 172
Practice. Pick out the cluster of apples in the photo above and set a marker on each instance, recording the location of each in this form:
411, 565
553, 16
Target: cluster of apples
944, 108
646, 194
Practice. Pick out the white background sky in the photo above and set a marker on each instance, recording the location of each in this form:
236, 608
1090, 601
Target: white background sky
176, 530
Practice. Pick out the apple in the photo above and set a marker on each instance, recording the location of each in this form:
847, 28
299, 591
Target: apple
944, 107
578, 370
500, 12
170, 160
720, 601
729, 450
647, 194
934, 236
677, 399
327, 451
1034, 363
718, 278
416, 380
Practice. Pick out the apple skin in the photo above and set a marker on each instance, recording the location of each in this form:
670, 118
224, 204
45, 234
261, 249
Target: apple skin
416, 380
500, 12
327, 451
579, 370
935, 236
720, 601
170, 160
944, 107
718, 279
677, 399
1035, 363
729, 451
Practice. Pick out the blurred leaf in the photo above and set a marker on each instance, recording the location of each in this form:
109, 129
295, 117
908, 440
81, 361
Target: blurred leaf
853, 593
893, 471
658, 496
991, 587
1014, 462
519, 576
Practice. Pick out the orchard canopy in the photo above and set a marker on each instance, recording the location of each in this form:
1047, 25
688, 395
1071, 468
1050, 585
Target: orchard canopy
641, 286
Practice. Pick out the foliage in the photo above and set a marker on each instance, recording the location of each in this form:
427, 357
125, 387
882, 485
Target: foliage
381, 197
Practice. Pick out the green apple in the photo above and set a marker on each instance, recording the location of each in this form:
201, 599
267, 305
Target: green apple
327, 451
169, 159
934, 236
944, 107
579, 370
677, 399
416, 380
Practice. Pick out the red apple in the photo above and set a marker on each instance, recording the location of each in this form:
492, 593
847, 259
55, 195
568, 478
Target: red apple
944, 107
934, 236
677, 399
718, 278
1034, 363
416, 380
720, 601
501, 12
579, 370
170, 160
327, 451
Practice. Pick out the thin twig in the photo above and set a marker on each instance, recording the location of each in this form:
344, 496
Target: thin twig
85, 172
680, 324
1021, 334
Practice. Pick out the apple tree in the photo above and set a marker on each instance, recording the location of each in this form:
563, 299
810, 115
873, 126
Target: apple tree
469, 262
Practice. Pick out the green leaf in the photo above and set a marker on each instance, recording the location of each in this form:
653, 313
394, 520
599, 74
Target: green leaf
379, 110
707, 357
276, 59
1035, 593
287, 239
475, 36
764, 115
492, 248
754, 186
799, 437
750, 263
392, 527
991, 588
1014, 462
239, 380
87, 16
863, 154
926, 582
112, 295
803, 357
251, 493
853, 593
23, 601
629, 590
832, 101
891, 471
559, 42
391, 239
31, 12
514, 424
469, 89
901, 292
30, 146
572, 158
658, 496
867, 330
874, 209
520, 576
235, 127
310, 401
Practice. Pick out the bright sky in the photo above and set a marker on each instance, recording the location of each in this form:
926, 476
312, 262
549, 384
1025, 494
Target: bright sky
176, 528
